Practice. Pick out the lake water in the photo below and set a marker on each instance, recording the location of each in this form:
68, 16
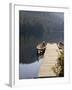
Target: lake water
35, 27
29, 71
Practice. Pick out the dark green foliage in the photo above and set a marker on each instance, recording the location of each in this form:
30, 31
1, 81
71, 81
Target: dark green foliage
59, 66
61, 63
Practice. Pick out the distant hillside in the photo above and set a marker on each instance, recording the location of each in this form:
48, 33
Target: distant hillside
52, 21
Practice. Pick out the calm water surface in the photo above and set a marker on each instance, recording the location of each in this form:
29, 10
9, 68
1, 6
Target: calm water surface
29, 71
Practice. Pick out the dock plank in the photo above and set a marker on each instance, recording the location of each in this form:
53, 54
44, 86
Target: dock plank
49, 60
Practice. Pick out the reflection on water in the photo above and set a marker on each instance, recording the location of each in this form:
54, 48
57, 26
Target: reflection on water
29, 71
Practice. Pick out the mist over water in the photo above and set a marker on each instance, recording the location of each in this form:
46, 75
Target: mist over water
29, 71
35, 27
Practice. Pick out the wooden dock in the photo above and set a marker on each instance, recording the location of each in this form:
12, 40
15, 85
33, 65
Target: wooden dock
49, 60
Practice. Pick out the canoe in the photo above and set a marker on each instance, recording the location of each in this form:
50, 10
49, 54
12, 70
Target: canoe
60, 45
41, 48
